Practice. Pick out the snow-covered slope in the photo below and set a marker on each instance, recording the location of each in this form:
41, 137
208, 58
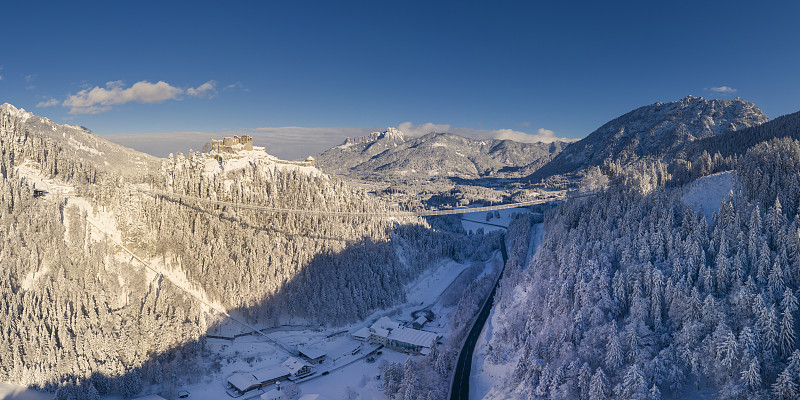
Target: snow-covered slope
705, 194
654, 130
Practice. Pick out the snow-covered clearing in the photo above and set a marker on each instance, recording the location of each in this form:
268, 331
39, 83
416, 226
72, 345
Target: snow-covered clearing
427, 288
10, 391
474, 221
705, 194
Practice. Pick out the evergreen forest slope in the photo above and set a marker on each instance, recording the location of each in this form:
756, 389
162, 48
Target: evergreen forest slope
81, 317
634, 295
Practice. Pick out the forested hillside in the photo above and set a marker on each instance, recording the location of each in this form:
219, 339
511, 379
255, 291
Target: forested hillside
72, 310
633, 295
82, 316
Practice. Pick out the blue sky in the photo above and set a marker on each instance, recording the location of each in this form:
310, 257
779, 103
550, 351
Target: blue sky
333, 69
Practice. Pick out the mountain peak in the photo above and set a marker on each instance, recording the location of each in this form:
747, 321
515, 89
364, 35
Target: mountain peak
17, 112
393, 133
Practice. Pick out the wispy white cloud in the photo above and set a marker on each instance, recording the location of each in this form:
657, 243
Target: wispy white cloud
524, 124
409, 129
542, 135
723, 89
51, 102
30, 78
99, 99
207, 89
234, 85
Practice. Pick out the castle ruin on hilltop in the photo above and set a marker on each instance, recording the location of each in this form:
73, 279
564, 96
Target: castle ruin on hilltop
232, 144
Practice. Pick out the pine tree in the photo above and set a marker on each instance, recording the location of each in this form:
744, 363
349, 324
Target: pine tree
633, 384
584, 380
654, 394
787, 335
614, 356
751, 375
785, 386
599, 386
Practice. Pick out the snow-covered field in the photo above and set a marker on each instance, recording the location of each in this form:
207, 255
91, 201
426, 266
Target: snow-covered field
10, 391
474, 221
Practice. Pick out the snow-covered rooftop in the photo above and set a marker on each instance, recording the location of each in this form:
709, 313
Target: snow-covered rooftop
294, 364
362, 333
243, 381
271, 373
413, 336
385, 323
381, 332
312, 352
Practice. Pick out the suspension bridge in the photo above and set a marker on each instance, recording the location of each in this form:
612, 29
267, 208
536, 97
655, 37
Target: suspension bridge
388, 213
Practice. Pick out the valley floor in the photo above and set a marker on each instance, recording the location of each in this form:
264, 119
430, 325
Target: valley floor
349, 374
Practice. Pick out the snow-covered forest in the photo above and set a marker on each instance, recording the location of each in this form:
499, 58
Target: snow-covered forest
634, 295
81, 317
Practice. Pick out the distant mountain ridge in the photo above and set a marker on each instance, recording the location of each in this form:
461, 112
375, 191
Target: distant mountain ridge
654, 130
391, 154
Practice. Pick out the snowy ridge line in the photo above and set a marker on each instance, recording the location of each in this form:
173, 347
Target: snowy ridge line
159, 274
388, 213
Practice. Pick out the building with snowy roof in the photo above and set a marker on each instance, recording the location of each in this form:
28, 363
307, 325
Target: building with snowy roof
362, 334
389, 333
385, 323
297, 368
313, 355
419, 322
411, 340
243, 382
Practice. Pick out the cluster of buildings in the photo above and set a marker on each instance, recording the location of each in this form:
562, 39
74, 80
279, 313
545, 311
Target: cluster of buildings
398, 337
291, 369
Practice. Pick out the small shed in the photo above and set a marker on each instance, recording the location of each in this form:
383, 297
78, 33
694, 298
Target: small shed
419, 322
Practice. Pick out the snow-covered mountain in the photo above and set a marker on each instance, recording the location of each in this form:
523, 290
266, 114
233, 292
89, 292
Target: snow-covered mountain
75, 142
389, 154
654, 130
